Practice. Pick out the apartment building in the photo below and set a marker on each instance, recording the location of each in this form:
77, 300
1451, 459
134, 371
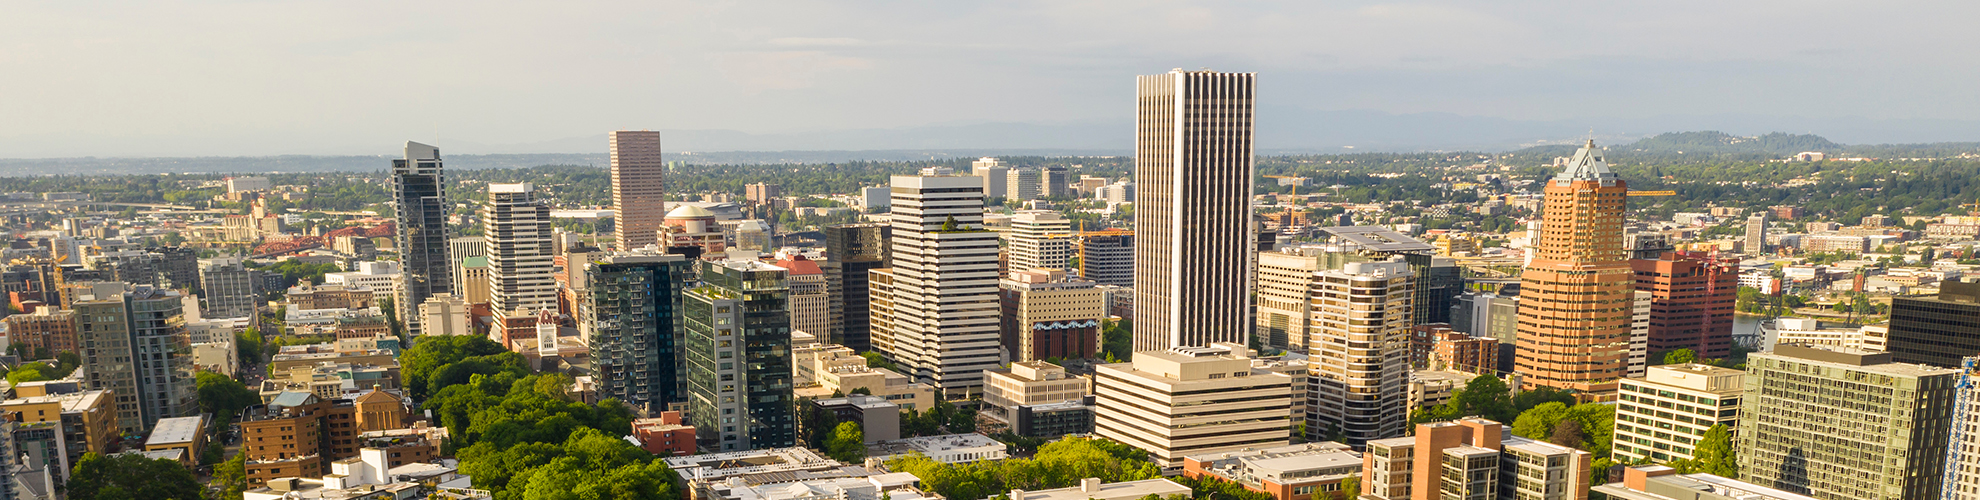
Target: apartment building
1841, 423
738, 351
1662, 416
1469, 459
1359, 350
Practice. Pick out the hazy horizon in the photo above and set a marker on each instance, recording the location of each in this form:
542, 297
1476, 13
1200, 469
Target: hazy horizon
187, 79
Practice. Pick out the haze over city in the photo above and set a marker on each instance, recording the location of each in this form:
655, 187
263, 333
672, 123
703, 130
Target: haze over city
264, 78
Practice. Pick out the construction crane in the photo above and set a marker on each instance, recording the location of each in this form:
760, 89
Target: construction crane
1962, 394
51, 282
1634, 194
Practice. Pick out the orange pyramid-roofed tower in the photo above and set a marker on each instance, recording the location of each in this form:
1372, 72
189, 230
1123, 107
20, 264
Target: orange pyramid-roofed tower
1576, 295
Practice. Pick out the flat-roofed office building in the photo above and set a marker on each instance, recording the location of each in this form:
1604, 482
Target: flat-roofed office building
1192, 400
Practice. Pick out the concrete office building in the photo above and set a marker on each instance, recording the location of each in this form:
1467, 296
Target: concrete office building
1039, 238
163, 267
1192, 400
1358, 352
811, 297
994, 174
1021, 184
630, 316
761, 193
134, 337
1193, 263
1107, 257
1936, 330
1472, 458
520, 260
1054, 183
1840, 423
738, 351
1576, 295
445, 315
1285, 296
1306, 471
1048, 313
1661, 416
1756, 234
943, 322
463, 249
419, 196
229, 288
852, 251
638, 191
1029, 383
1691, 303
1639, 333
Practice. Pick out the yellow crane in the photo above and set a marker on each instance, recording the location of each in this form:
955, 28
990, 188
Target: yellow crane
1652, 193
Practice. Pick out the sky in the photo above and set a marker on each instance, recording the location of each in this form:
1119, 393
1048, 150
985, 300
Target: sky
232, 78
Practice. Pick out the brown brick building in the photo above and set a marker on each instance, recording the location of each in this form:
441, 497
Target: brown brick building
1576, 295
47, 329
1463, 352
1691, 302
298, 434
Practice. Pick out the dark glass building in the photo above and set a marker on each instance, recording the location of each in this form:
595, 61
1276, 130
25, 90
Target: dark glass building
738, 351
631, 312
851, 250
419, 195
1937, 330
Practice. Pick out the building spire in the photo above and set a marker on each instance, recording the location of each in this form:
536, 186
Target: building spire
1588, 165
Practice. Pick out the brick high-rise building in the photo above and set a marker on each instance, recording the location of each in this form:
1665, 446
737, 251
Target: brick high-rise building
44, 332
1193, 163
1691, 302
638, 194
1576, 295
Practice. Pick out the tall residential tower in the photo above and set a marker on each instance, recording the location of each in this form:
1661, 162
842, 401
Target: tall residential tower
520, 260
1193, 166
941, 325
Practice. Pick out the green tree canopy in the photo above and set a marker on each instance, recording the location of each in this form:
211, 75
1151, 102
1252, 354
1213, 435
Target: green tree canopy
431, 363
223, 396
1057, 465
847, 443
1680, 357
131, 477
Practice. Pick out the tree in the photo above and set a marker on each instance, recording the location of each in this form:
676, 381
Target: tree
1715, 453
231, 476
1528, 399
1350, 487
847, 443
433, 355
131, 477
223, 396
1567, 433
1680, 357
1117, 340
877, 360
1539, 422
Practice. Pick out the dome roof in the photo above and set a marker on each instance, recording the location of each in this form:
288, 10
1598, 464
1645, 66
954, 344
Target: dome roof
689, 212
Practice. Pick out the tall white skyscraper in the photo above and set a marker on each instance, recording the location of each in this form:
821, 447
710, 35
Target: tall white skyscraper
992, 172
520, 260
1193, 168
936, 312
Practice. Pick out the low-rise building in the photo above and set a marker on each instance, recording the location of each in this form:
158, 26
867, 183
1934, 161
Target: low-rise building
1029, 383
878, 419
1309, 471
88, 418
1429, 389
369, 475
820, 370
1657, 482
665, 435
1662, 416
185, 434
1093, 489
308, 355
889, 486
948, 449
1192, 400
796, 462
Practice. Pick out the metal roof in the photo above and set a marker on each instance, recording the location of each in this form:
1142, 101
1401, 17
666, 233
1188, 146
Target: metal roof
1380, 239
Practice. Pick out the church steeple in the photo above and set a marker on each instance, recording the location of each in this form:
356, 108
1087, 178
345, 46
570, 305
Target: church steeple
1588, 165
